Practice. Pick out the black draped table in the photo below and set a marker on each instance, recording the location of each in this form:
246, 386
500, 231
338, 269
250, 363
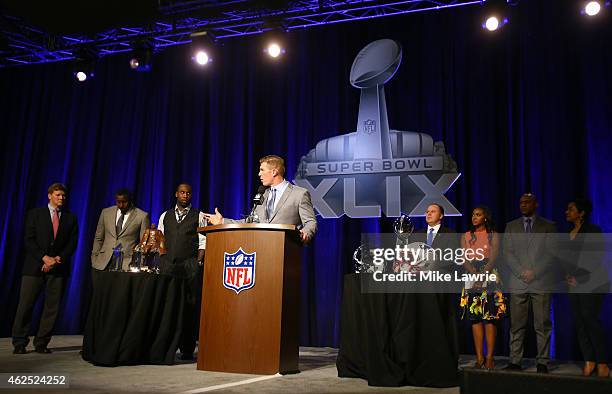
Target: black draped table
134, 318
395, 339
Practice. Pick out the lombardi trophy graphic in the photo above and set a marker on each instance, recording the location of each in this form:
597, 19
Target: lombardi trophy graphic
375, 169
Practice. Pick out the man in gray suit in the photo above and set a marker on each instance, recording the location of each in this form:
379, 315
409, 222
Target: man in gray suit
284, 202
528, 253
122, 224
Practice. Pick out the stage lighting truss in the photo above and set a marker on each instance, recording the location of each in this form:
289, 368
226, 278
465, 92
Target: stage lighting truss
28, 45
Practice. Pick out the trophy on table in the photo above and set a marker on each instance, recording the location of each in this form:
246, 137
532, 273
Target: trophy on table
116, 262
148, 252
417, 256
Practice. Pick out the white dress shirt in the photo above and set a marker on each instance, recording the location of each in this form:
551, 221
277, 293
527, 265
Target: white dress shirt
435, 230
201, 222
125, 217
51, 210
280, 189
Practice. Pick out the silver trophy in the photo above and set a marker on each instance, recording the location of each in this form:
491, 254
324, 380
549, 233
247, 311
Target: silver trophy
363, 262
403, 228
418, 256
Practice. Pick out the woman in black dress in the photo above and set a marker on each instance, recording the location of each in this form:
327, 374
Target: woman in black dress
588, 284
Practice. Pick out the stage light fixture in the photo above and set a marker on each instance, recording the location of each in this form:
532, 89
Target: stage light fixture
142, 55
274, 50
81, 76
592, 8
84, 64
492, 23
202, 43
495, 14
201, 57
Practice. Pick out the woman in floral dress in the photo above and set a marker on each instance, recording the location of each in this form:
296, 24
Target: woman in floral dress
483, 303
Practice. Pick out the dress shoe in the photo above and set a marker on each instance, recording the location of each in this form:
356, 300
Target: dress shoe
186, 356
42, 350
603, 371
19, 349
541, 368
512, 367
589, 368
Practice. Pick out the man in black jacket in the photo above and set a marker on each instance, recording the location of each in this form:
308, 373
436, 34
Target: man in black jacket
438, 361
51, 236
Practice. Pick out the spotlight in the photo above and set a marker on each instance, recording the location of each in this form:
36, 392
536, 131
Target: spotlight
592, 8
202, 43
142, 54
201, 57
274, 50
84, 64
493, 23
81, 76
496, 13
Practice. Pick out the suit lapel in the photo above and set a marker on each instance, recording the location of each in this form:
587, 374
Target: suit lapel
128, 221
49, 223
435, 240
282, 201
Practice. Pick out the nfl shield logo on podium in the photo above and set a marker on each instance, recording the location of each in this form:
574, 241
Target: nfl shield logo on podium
239, 270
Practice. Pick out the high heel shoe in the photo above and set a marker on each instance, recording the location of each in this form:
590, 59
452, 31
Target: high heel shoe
589, 368
603, 371
479, 364
489, 364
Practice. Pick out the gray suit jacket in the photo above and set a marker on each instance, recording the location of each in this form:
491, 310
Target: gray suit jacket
106, 239
294, 207
530, 251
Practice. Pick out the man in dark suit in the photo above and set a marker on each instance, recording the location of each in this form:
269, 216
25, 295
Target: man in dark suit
529, 256
120, 225
439, 304
438, 236
51, 236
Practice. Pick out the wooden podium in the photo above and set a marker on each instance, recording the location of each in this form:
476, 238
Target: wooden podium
255, 330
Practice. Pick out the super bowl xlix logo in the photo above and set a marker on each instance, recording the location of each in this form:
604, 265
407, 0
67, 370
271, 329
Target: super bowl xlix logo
363, 174
239, 270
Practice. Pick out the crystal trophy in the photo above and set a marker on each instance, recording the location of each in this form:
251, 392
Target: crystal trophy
116, 263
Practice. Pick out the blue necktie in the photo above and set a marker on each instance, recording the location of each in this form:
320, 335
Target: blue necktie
430, 236
270, 204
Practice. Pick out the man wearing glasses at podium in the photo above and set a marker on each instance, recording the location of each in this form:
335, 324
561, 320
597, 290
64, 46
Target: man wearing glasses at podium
283, 202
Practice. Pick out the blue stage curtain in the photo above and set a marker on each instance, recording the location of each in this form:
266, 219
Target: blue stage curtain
524, 109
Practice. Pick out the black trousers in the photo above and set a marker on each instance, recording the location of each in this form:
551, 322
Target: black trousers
586, 309
31, 286
191, 312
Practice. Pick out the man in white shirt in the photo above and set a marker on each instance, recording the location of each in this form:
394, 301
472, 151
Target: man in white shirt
185, 253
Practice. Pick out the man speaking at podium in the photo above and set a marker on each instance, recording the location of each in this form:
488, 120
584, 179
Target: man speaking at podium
283, 202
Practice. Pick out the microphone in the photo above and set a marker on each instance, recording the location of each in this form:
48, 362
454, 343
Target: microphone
257, 200
259, 197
